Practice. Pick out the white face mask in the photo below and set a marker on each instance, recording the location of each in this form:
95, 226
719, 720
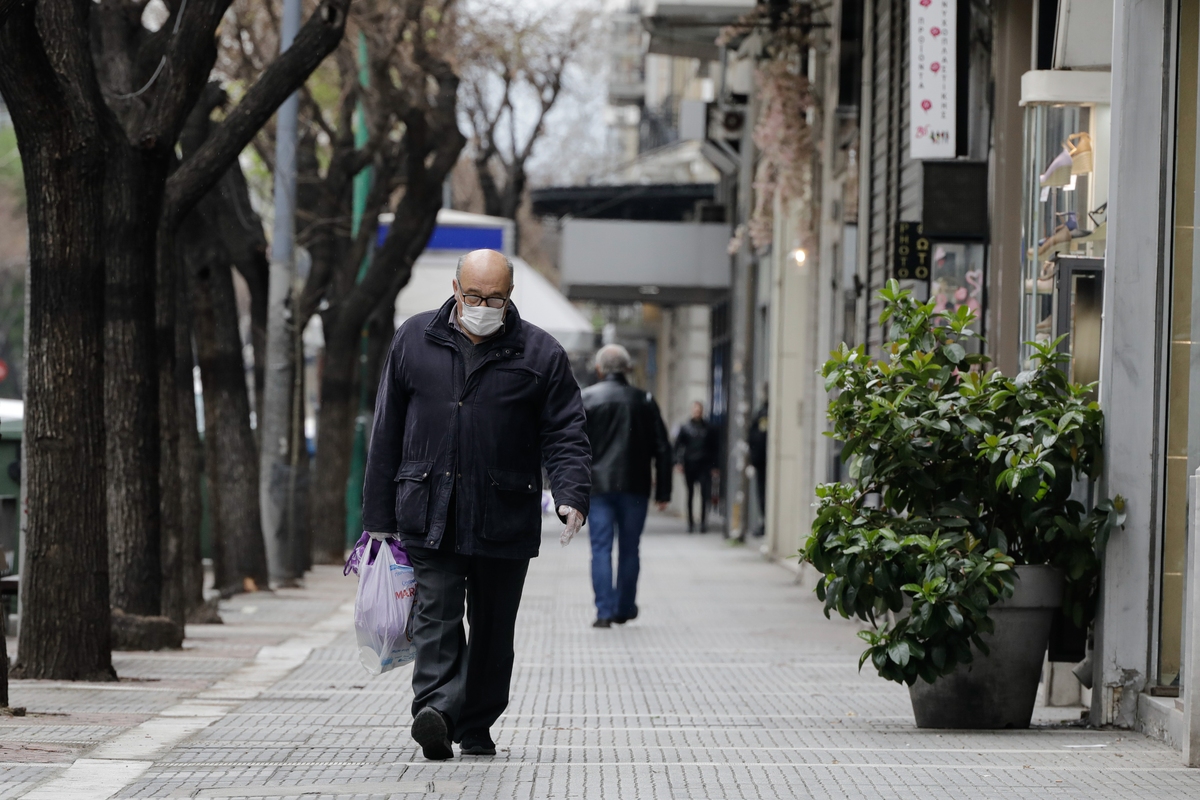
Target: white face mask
481, 320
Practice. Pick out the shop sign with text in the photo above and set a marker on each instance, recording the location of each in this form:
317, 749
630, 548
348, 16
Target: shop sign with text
931, 78
913, 252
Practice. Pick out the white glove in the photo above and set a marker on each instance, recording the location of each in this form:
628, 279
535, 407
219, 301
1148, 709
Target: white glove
574, 523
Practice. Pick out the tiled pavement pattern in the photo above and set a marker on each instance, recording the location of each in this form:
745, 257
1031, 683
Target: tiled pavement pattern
730, 685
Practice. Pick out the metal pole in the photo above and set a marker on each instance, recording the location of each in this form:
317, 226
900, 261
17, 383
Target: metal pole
362, 186
275, 426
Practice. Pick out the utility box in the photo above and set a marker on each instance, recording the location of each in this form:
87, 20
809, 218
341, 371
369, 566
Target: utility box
10, 495
10, 521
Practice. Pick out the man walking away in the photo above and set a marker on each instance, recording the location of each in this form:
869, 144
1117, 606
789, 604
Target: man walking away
473, 402
626, 433
696, 455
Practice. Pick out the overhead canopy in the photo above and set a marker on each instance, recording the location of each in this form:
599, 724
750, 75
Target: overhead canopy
620, 261
536, 298
664, 202
676, 182
689, 28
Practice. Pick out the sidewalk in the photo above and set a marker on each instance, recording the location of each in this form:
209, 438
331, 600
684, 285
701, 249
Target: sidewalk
732, 684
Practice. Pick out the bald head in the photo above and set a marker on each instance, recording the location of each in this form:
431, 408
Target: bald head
485, 267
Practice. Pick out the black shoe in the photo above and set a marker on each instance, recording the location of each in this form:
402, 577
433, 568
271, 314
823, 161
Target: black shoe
602, 623
477, 743
431, 731
704, 527
691, 528
623, 620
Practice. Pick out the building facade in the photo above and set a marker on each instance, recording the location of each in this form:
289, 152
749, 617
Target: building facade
1032, 160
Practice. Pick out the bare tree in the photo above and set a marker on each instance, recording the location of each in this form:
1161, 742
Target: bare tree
514, 67
407, 109
98, 106
223, 233
411, 113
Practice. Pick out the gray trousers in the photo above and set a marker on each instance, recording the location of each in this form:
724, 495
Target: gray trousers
467, 680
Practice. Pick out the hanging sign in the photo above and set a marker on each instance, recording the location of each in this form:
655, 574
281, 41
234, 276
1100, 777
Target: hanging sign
912, 258
931, 78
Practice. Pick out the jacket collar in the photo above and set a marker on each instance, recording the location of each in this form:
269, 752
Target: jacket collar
617, 377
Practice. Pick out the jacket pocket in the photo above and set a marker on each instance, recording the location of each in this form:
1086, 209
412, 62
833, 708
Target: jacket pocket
514, 507
412, 496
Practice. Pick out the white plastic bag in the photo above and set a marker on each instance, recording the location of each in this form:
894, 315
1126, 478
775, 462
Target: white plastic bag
383, 613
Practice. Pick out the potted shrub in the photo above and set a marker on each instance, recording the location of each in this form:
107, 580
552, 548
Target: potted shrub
961, 530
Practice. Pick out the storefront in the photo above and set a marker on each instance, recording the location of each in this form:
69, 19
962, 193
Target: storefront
1147, 645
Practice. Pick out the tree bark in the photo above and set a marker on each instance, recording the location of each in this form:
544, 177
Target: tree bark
183, 570
133, 191
381, 327
335, 439
231, 458
50, 92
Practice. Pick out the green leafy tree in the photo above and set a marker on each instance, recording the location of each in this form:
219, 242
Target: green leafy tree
956, 476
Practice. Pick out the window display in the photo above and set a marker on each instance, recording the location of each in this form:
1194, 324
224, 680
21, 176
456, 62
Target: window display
1065, 214
956, 279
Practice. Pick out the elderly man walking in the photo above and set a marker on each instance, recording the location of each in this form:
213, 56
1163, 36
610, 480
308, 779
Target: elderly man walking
473, 402
627, 433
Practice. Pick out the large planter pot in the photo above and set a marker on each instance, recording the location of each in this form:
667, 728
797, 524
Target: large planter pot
998, 690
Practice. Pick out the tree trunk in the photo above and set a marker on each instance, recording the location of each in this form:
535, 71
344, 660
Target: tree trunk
165, 321
65, 632
493, 196
335, 439
183, 570
133, 191
231, 458
381, 327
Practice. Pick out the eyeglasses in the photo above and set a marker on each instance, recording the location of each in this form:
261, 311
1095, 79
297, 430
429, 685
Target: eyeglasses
475, 300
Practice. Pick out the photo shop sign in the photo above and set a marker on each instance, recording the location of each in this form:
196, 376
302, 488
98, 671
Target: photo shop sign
931, 67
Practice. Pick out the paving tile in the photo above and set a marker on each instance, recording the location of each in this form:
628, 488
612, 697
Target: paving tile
731, 684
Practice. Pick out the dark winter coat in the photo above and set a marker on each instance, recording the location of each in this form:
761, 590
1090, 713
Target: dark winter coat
489, 433
696, 446
627, 433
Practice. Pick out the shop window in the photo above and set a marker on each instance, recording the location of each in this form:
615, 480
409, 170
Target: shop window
1064, 219
1183, 424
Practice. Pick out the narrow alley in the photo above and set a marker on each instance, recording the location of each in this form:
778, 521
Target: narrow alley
731, 684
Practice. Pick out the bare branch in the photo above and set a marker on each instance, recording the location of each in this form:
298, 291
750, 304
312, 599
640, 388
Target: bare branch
316, 39
6, 8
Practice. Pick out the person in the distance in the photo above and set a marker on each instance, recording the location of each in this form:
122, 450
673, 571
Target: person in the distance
696, 457
627, 433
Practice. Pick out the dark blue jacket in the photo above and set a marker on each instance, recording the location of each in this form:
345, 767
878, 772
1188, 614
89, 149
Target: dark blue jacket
491, 431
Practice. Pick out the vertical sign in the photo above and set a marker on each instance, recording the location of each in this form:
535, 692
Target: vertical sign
931, 78
912, 259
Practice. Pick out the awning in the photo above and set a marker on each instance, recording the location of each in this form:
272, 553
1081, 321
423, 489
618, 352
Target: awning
537, 299
689, 28
663, 202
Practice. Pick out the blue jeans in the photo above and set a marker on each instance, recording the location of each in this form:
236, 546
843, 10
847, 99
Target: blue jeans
626, 513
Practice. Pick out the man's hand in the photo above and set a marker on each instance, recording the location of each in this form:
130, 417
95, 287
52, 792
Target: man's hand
662, 505
574, 523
